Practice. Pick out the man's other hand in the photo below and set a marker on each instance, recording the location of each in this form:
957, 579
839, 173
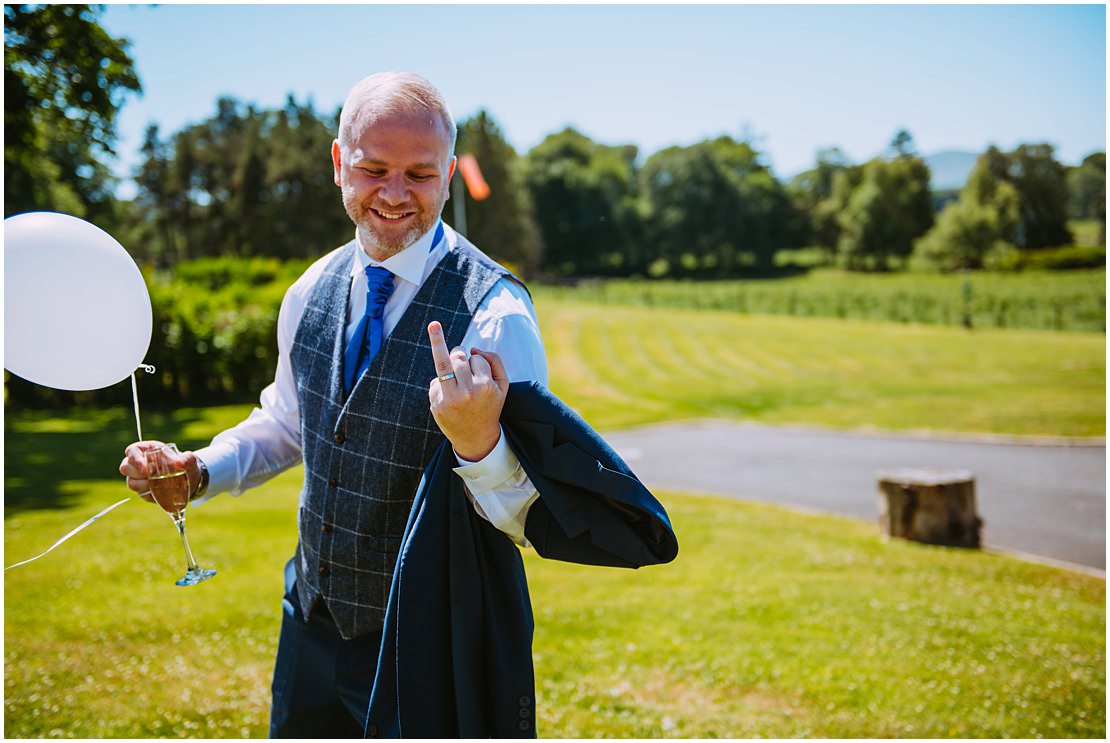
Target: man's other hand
468, 406
133, 467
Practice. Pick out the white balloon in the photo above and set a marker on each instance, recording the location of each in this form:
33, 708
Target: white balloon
77, 313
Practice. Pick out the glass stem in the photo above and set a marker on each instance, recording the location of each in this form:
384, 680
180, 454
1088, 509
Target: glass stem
180, 524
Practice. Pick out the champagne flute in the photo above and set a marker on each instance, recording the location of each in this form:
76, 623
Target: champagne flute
169, 484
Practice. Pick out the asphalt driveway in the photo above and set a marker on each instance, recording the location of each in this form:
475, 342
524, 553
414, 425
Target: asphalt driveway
1045, 499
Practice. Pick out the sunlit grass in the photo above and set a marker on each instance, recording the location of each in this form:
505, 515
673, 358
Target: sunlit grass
769, 623
776, 624
622, 366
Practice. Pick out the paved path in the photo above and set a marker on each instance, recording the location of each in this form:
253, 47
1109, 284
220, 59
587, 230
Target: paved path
1045, 500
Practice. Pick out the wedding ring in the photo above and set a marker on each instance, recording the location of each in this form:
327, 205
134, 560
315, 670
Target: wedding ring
447, 377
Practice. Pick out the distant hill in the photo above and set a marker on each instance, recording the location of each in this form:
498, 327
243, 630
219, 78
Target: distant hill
950, 168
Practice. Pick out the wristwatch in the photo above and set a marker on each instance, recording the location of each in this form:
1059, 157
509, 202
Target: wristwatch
203, 487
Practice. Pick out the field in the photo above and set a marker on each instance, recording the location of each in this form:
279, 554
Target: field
1047, 300
625, 365
770, 623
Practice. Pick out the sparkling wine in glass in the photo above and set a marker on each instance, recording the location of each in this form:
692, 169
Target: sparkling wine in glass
169, 485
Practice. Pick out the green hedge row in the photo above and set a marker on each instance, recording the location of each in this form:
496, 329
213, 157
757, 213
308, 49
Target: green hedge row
213, 341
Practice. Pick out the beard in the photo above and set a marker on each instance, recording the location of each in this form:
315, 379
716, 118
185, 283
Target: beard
389, 242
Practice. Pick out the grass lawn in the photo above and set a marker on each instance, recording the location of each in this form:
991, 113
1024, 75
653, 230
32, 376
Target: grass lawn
769, 623
623, 366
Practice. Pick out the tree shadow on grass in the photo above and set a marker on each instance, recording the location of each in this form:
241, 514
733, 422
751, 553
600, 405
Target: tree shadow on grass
45, 449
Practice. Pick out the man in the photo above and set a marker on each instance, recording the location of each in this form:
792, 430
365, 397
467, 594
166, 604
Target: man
373, 371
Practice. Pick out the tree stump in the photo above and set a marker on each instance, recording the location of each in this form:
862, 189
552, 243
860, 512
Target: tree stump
934, 506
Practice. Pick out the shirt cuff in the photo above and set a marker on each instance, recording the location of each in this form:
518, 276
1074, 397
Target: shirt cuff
223, 471
486, 474
500, 490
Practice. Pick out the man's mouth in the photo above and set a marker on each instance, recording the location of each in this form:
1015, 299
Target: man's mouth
391, 216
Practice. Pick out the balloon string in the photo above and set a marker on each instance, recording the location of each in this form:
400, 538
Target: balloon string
135, 396
138, 427
67, 536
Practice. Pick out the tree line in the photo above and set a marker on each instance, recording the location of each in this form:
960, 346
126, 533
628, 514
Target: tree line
252, 182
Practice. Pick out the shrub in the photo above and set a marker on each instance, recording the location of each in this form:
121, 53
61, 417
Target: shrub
1068, 257
213, 339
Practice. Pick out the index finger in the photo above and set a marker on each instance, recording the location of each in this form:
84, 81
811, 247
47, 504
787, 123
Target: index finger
440, 354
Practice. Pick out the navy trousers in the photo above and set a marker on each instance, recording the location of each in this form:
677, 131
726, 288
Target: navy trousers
322, 682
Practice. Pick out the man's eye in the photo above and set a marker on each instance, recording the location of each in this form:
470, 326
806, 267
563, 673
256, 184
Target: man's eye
373, 173
421, 177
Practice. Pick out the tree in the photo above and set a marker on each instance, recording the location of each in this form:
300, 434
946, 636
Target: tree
882, 209
583, 194
1012, 200
502, 224
1087, 191
65, 80
245, 182
901, 144
1041, 184
811, 194
978, 230
714, 207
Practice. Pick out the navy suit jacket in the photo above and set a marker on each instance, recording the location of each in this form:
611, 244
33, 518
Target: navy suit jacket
456, 655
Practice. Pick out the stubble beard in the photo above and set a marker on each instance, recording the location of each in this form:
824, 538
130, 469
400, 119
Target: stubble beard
387, 245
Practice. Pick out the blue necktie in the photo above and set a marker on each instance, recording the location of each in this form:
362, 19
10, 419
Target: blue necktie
367, 340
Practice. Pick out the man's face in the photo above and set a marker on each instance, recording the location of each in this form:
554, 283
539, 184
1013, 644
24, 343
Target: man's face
395, 178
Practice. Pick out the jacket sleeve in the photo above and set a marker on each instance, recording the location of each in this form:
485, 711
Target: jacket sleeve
592, 509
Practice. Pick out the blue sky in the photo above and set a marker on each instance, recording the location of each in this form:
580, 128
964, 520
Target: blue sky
795, 78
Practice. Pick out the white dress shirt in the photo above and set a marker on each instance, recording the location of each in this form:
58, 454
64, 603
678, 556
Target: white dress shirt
269, 440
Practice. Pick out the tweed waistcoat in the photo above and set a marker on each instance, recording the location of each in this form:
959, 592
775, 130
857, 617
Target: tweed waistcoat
364, 455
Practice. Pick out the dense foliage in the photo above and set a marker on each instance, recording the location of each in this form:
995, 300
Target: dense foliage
65, 80
245, 182
501, 224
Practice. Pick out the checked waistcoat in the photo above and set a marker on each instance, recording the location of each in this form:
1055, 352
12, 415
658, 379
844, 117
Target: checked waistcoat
364, 455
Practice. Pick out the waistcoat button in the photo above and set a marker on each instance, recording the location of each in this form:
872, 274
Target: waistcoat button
340, 438
323, 570
333, 482
326, 528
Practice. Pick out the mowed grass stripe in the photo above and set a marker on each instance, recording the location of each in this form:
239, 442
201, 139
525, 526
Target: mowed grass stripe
571, 368
723, 355
627, 344
702, 358
841, 373
613, 366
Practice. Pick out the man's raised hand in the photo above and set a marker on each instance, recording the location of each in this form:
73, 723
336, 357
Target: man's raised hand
467, 405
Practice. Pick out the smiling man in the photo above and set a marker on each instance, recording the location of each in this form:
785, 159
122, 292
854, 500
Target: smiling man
403, 336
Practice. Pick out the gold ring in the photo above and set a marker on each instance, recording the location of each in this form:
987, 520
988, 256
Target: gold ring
447, 377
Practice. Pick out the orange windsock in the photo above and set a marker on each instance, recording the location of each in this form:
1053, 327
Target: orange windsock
472, 176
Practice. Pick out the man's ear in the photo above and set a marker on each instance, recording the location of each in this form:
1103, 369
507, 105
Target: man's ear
336, 161
451, 174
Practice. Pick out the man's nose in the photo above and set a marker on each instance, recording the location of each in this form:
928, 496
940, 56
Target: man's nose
394, 190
